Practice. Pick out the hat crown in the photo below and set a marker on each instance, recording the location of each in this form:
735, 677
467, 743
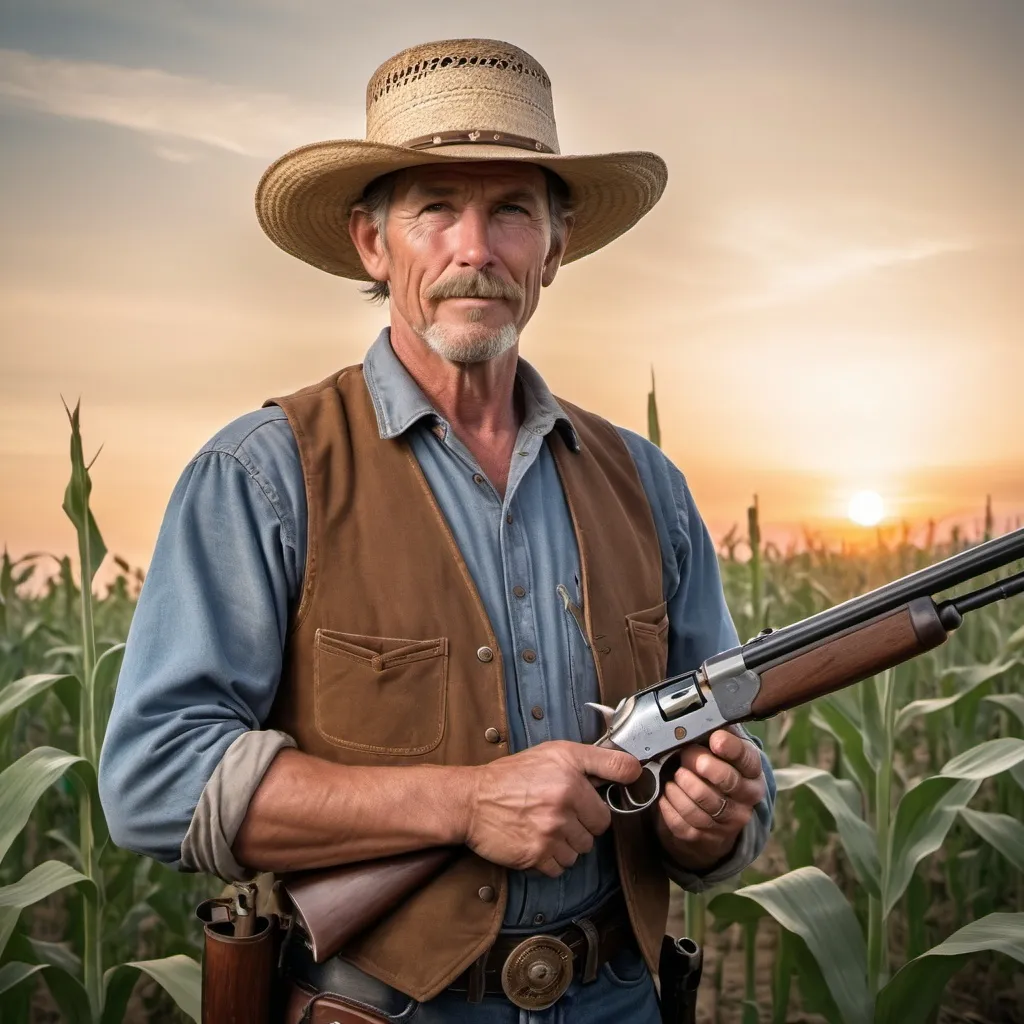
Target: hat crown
461, 86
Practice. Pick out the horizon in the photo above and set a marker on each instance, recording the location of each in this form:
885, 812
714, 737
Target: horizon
829, 293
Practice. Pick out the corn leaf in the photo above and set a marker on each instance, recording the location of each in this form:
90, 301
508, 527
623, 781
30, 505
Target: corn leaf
858, 838
43, 880
179, 976
14, 973
70, 995
808, 903
830, 715
916, 988
21, 691
1016, 639
974, 676
1012, 702
23, 783
926, 812
986, 759
76, 503
1000, 831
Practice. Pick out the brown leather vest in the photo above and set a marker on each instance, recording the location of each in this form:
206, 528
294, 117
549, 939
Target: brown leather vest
381, 665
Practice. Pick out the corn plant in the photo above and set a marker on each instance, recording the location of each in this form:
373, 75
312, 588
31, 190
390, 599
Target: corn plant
843, 964
87, 988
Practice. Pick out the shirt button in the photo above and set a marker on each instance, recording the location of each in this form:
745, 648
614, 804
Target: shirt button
486, 893
519, 591
523, 453
485, 654
508, 518
530, 655
539, 918
477, 478
537, 711
492, 735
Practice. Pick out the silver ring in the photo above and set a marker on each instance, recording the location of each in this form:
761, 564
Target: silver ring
721, 810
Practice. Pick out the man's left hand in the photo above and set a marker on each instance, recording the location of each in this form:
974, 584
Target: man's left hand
709, 800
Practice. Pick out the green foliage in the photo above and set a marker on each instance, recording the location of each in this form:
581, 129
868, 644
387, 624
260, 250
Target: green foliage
124, 916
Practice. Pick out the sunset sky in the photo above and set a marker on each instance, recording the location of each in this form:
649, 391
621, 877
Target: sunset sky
831, 292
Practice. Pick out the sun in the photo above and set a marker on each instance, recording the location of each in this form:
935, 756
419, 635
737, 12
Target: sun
866, 508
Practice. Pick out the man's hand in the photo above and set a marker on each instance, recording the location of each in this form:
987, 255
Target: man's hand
710, 799
538, 808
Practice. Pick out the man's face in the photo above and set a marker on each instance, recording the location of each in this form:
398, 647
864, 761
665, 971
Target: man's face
468, 247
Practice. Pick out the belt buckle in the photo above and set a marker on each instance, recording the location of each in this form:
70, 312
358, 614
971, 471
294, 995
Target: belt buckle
537, 972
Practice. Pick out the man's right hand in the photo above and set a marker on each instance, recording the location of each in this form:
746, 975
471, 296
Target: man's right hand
538, 808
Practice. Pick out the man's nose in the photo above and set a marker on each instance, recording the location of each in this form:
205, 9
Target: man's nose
473, 245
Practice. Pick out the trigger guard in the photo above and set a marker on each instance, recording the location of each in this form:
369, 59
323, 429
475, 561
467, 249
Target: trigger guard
636, 806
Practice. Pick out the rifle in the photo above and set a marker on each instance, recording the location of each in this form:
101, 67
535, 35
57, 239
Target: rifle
776, 670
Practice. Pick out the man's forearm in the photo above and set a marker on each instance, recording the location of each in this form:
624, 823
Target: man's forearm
310, 813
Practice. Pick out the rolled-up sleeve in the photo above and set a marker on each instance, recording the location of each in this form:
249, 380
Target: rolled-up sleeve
204, 652
700, 625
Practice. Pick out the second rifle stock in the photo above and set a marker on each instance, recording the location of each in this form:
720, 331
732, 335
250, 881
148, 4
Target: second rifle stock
333, 905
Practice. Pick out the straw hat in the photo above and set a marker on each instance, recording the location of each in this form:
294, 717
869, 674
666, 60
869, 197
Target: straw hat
454, 100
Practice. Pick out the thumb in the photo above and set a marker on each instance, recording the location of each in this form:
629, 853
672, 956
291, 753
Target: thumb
610, 765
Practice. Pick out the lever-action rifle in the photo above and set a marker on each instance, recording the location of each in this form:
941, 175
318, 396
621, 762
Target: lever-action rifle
776, 670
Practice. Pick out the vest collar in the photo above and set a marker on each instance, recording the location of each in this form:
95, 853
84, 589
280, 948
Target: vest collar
398, 401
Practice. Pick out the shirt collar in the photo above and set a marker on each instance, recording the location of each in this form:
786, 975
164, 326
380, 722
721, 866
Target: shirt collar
399, 402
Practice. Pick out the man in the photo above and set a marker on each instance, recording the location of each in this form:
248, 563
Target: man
377, 607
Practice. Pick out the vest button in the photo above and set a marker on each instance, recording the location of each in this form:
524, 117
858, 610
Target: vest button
519, 591
492, 735
539, 918
485, 654
537, 711
477, 478
530, 655
486, 893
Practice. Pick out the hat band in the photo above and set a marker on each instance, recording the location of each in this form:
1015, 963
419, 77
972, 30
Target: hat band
486, 136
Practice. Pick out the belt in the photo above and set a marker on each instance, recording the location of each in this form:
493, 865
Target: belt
534, 971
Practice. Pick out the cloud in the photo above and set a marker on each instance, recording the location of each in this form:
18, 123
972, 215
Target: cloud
168, 106
781, 255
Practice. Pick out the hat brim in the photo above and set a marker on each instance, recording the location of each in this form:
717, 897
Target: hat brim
304, 198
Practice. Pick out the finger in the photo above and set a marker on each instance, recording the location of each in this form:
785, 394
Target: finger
720, 773
577, 836
675, 822
612, 765
550, 867
706, 797
593, 813
563, 854
687, 809
740, 752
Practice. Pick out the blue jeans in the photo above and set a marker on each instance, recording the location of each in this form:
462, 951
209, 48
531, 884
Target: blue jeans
623, 992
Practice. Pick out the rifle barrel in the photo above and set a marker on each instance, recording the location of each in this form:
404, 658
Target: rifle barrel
950, 572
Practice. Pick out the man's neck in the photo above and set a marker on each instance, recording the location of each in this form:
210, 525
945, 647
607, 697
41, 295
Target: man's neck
478, 399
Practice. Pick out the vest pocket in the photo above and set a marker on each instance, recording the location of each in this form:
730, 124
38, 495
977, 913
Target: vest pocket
648, 643
382, 695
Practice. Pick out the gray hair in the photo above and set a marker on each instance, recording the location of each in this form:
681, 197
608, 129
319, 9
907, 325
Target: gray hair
376, 199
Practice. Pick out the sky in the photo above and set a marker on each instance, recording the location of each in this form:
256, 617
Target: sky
830, 293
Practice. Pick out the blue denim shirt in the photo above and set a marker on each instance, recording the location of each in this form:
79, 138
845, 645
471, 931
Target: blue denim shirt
204, 652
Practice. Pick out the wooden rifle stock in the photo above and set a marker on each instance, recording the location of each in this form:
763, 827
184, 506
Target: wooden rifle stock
850, 656
334, 904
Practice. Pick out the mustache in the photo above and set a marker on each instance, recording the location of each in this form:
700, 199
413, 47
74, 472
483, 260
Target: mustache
474, 285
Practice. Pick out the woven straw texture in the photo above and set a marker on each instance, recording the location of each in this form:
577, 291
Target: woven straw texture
451, 99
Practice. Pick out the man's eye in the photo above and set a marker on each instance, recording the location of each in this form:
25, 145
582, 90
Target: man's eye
512, 208
434, 207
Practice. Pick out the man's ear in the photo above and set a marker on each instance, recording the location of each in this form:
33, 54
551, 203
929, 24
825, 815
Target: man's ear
557, 251
369, 244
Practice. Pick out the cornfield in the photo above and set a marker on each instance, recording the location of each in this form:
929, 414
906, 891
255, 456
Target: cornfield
892, 889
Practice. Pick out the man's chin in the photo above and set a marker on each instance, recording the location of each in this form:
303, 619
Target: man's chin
467, 343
